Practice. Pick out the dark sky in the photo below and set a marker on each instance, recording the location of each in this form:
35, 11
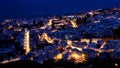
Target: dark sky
44, 7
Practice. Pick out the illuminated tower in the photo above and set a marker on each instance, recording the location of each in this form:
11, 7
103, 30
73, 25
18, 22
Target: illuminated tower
26, 41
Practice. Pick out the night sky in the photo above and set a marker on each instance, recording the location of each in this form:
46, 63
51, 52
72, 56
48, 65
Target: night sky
11, 8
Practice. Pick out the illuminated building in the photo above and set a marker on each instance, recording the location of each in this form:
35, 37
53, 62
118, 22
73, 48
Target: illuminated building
26, 41
22, 41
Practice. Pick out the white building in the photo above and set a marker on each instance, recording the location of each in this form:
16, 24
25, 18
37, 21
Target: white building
26, 42
23, 40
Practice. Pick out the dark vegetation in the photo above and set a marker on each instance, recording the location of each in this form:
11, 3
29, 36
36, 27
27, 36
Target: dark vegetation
91, 63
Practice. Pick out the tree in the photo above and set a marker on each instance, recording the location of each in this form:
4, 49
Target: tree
116, 32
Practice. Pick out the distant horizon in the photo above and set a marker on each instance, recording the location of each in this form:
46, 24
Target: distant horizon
33, 8
50, 14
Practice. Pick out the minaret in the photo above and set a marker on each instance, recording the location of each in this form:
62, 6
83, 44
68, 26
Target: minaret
27, 41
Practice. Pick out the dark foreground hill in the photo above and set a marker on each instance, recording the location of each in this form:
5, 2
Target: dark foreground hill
93, 63
20, 64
